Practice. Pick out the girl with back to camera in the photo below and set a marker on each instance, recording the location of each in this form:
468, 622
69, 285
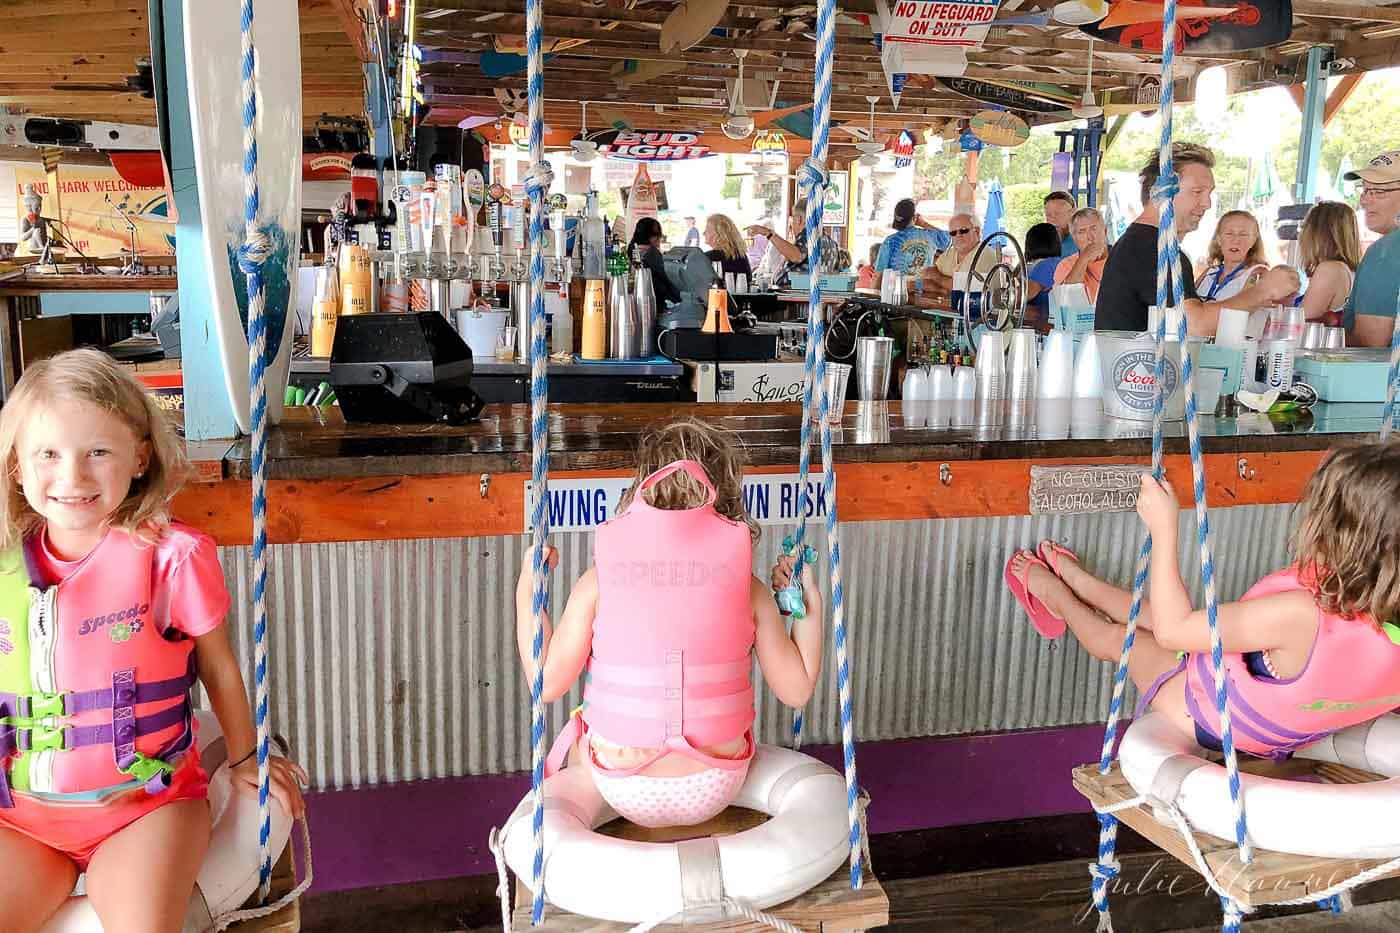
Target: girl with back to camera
666, 622
109, 610
1309, 650
1329, 245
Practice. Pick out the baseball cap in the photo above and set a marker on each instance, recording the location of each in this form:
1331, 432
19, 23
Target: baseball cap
1382, 170
903, 212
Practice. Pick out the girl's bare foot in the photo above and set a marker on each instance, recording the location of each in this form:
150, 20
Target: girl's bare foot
1042, 584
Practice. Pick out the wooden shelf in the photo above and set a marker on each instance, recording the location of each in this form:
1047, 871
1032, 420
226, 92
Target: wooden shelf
1273, 877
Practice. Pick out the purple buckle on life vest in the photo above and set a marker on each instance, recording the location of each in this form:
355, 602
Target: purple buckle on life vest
7, 748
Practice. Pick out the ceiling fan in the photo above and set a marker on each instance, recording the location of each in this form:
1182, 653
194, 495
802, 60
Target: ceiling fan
737, 122
585, 149
1088, 107
871, 148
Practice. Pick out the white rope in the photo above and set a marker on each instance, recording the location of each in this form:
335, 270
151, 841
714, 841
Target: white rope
502, 889
733, 906
227, 919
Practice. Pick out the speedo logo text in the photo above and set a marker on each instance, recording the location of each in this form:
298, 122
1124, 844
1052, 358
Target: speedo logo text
131, 616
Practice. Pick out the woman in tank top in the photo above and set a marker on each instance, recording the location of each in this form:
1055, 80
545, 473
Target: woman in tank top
1330, 249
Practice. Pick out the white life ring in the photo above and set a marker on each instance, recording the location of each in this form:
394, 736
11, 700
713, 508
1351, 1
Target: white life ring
229, 875
1303, 818
803, 842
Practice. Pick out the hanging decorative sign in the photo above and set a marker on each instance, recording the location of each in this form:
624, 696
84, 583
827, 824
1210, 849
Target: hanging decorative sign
641, 200
834, 203
901, 146
1003, 95
947, 23
325, 166
999, 128
519, 136
653, 146
770, 142
1202, 26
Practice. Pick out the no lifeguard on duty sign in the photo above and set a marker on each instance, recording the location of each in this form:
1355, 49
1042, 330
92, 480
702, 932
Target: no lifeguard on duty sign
949, 23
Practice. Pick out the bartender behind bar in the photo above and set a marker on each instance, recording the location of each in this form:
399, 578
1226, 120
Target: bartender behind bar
646, 241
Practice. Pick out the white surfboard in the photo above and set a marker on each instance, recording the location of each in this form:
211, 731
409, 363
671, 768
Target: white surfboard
212, 56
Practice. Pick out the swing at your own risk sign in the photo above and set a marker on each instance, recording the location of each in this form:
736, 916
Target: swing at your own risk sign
947, 23
584, 504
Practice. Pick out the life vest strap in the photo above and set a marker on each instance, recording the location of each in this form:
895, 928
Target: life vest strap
46, 705
635, 675
66, 738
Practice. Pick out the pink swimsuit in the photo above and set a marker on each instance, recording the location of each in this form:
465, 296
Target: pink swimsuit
672, 656
82, 760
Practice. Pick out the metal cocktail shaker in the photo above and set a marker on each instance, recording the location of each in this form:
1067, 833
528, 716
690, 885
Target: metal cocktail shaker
644, 300
624, 330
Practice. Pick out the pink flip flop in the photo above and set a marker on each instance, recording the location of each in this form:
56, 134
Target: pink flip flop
1050, 553
1045, 622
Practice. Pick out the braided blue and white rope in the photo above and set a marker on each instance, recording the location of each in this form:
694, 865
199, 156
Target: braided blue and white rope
813, 179
1390, 417
537, 184
251, 257
1169, 298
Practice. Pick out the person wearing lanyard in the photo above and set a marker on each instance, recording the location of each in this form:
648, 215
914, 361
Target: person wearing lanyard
1236, 254
1086, 266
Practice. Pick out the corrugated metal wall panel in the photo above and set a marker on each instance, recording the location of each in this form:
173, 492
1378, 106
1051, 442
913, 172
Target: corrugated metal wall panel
396, 661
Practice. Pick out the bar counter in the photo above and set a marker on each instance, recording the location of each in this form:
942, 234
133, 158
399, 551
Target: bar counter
417, 481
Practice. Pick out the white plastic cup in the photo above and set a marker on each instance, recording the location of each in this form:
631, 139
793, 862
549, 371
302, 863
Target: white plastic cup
838, 375
1056, 376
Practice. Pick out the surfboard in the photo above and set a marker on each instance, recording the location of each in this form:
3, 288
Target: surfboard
1241, 25
690, 22
216, 117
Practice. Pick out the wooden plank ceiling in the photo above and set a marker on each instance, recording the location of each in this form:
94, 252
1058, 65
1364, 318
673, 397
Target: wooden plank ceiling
455, 34
73, 58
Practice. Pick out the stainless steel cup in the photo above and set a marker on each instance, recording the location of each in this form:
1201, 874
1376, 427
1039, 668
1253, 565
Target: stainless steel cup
1336, 338
874, 362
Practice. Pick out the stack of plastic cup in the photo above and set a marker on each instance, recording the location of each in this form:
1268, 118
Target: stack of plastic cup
1021, 367
964, 396
1088, 382
916, 397
991, 377
1335, 338
1056, 375
941, 395
1314, 335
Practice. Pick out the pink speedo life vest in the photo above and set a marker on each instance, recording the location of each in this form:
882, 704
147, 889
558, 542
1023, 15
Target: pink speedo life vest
1352, 676
104, 704
673, 632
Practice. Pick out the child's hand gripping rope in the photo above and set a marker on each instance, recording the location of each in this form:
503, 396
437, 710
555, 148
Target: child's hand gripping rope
789, 594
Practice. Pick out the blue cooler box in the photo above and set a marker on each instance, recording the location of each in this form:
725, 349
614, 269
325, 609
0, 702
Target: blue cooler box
1355, 375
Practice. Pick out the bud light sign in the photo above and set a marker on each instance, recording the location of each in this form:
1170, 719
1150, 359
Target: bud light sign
1134, 381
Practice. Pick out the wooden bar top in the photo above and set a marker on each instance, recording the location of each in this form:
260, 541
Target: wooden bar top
314, 444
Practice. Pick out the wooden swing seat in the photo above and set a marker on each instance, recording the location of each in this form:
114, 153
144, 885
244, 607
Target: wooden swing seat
1273, 877
830, 907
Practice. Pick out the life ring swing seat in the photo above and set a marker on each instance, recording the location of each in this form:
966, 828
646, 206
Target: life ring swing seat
1327, 815
711, 876
228, 879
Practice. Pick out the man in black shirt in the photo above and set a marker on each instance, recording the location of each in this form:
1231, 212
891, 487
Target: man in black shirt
1129, 284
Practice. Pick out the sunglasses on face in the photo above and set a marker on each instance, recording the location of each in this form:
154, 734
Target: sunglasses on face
960, 231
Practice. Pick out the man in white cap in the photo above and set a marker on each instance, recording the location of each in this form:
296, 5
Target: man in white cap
1369, 316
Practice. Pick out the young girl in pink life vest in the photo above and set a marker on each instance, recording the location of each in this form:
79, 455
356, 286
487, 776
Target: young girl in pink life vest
666, 622
1309, 650
109, 612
